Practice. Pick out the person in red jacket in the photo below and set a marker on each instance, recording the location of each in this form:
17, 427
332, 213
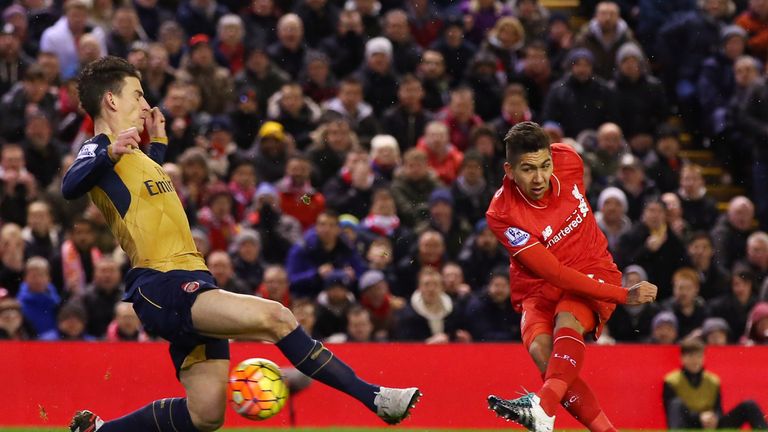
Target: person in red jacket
564, 280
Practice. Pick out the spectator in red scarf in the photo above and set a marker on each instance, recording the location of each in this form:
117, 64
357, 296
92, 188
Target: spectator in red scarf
460, 116
297, 196
216, 218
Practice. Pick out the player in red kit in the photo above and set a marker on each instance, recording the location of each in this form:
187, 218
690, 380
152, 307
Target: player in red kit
563, 277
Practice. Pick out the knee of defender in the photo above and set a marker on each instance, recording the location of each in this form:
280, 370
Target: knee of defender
282, 321
207, 422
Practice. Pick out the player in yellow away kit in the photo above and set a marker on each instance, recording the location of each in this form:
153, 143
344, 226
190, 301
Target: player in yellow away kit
169, 285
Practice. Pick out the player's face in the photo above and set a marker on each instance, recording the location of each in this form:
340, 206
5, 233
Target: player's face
532, 172
131, 106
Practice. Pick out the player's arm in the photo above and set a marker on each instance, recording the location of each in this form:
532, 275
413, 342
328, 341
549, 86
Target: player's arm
541, 262
158, 139
92, 162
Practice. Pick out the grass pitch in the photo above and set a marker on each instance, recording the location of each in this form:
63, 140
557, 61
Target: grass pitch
332, 429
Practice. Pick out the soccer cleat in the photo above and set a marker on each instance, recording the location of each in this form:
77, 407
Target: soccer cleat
393, 405
85, 421
525, 410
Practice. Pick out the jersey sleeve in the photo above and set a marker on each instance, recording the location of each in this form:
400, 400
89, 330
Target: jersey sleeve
515, 238
157, 149
569, 163
545, 265
91, 163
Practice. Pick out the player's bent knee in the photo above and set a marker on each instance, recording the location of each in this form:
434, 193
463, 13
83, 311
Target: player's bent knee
279, 321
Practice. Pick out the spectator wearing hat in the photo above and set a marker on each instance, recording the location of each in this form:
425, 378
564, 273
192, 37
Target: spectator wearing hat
603, 35
612, 217
377, 75
375, 296
278, 231
26, 98
735, 306
275, 285
689, 309
471, 191
714, 279
158, 74
430, 316
412, 187
651, 244
699, 209
351, 190
324, 252
717, 83
489, 315
270, 152
37, 295
16, 16
383, 221
756, 332
216, 217
631, 179
289, 51
663, 328
334, 301
220, 265
102, 295
480, 255
125, 31
429, 251
228, 46
13, 325
640, 98
247, 263
715, 331
580, 91
62, 37
755, 23
407, 120
732, 230
454, 48
692, 396
13, 60
443, 157
201, 69
349, 105
200, 16
632, 323
444, 220
318, 83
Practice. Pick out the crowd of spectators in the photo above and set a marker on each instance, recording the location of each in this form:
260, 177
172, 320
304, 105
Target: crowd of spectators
338, 156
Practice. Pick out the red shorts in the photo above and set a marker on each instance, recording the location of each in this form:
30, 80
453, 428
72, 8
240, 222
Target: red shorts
539, 312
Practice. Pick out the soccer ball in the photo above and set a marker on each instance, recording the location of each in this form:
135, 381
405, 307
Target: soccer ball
257, 390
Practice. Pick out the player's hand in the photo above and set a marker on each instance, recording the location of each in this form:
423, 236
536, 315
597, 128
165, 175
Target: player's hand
155, 123
643, 292
127, 141
708, 420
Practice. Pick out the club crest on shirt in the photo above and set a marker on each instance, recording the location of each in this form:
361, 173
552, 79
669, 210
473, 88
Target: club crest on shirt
516, 236
191, 287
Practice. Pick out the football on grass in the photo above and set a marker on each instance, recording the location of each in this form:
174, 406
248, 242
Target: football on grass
257, 390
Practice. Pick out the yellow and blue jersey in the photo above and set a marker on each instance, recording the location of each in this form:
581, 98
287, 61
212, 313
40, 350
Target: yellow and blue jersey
139, 203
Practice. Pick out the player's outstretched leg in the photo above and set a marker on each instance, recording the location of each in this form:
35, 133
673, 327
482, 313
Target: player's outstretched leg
582, 404
161, 415
227, 315
316, 361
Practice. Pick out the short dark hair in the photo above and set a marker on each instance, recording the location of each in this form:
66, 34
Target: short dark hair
525, 137
700, 235
692, 346
106, 74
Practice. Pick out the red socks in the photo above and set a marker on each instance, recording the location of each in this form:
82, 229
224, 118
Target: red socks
563, 369
584, 407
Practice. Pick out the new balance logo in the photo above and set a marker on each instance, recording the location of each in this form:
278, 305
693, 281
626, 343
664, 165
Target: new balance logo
547, 232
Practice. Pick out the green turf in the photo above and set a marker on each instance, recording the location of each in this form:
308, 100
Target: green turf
341, 429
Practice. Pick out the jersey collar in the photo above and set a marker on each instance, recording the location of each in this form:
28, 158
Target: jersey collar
555, 188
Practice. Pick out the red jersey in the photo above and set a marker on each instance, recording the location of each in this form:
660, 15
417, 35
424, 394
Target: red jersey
562, 222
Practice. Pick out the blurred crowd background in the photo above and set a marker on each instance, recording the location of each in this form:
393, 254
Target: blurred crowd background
338, 156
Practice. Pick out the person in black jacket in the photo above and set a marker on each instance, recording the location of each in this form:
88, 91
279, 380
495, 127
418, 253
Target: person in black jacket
346, 48
430, 315
699, 209
489, 316
407, 120
481, 255
351, 190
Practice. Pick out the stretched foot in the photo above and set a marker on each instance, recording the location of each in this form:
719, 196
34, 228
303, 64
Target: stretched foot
85, 421
393, 405
525, 410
